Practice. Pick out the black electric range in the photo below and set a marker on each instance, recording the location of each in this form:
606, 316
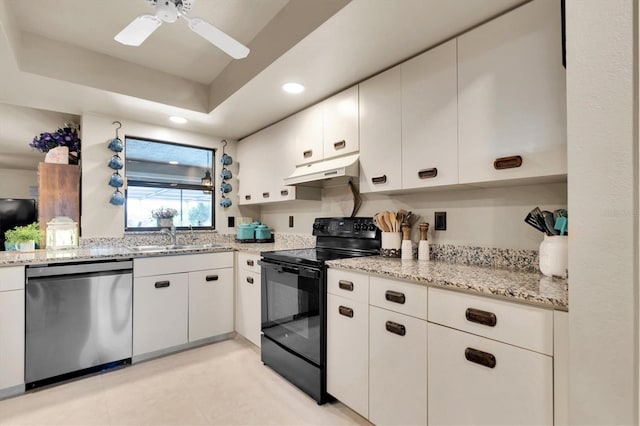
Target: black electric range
294, 297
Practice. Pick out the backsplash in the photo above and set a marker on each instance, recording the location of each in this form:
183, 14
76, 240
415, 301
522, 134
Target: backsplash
514, 259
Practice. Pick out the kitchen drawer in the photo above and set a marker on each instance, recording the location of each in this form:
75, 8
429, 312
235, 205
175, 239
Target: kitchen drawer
478, 381
249, 262
351, 285
181, 263
520, 325
12, 278
399, 296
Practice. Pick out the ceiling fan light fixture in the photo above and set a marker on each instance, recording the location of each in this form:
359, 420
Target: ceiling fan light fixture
293, 88
178, 120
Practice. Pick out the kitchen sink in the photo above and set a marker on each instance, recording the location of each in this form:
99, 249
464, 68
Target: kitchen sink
174, 247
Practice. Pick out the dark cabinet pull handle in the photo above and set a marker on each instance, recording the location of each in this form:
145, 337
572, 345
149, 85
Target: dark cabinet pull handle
265, 195
481, 317
284, 192
428, 173
211, 278
379, 179
340, 144
395, 328
347, 312
394, 296
250, 262
247, 197
345, 285
308, 153
162, 284
507, 162
479, 357
250, 280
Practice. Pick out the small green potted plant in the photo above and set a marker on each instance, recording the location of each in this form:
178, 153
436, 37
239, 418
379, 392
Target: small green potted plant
164, 215
23, 238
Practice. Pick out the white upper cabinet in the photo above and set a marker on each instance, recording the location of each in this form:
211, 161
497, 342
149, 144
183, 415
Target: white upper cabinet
512, 97
430, 118
380, 132
309, 147
340, 128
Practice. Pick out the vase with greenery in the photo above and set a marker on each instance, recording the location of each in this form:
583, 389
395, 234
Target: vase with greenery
23, 238
164, 215
68, 136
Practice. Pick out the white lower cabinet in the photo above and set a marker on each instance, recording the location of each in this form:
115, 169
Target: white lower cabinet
160, 312
248, 291
347, 348
210, 303
478, 381
397, 368
11, 326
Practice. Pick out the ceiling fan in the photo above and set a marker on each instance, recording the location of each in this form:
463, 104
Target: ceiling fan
169, 11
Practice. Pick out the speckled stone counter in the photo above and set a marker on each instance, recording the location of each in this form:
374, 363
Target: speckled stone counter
526, 287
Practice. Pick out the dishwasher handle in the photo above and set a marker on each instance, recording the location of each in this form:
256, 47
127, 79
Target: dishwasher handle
78, 268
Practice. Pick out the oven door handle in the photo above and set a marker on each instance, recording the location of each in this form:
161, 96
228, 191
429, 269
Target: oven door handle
303, 272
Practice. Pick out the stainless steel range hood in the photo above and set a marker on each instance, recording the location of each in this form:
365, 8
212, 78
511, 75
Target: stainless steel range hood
346, 166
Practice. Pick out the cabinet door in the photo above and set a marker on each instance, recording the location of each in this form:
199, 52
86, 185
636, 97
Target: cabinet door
210, 303
251, 154
160, 312
348, 352
12, 338
430, 118
380, 132
340, 128
397, 368
309, 135
512, 96
478, 381
248, 306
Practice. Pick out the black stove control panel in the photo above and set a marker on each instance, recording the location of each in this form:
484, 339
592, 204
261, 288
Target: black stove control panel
348, 227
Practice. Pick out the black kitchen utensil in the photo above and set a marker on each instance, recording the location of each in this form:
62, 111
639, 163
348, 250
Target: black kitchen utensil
531, 221
550, 222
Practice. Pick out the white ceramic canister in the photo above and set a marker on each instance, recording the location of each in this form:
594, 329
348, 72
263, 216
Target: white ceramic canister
554, 256
390, 243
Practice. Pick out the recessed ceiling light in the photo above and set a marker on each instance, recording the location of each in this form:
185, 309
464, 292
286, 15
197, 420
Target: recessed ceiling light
293, 88
173, 162
179, 120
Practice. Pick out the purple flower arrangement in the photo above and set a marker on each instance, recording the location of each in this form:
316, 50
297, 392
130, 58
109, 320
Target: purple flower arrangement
164, 213
64, 136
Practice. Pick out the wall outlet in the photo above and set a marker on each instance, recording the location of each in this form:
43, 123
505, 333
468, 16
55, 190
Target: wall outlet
231, 221
440, 221
290, 221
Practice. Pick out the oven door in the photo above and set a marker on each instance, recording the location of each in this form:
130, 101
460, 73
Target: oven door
292, 306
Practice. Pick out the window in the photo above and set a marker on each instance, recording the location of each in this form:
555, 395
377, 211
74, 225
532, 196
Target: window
168, 176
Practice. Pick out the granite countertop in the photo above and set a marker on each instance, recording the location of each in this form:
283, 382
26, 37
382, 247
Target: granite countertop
526, 287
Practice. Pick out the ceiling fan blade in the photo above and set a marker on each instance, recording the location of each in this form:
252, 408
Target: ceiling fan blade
138, 30
214, 36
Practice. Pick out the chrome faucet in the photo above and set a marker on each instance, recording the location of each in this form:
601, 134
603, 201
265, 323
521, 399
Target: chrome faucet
172, 234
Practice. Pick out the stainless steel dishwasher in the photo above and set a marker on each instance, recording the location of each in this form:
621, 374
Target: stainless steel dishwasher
78, 319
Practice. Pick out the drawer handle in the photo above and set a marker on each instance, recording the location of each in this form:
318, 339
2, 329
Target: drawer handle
308, 153
347, 312
507, 162
265, 195
379, 179
395, 328
250, 262
162, 284
481, 317
395, 297
284, 192
247, 197
340, 144
345, 285
211, 278
250, 280
428, 173
479, 357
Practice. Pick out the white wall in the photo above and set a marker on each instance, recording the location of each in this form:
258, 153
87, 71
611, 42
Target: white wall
492, 217
17, 183
99, 217
602, 118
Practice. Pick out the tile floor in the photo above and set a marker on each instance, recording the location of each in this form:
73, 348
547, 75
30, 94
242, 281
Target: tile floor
220, 384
